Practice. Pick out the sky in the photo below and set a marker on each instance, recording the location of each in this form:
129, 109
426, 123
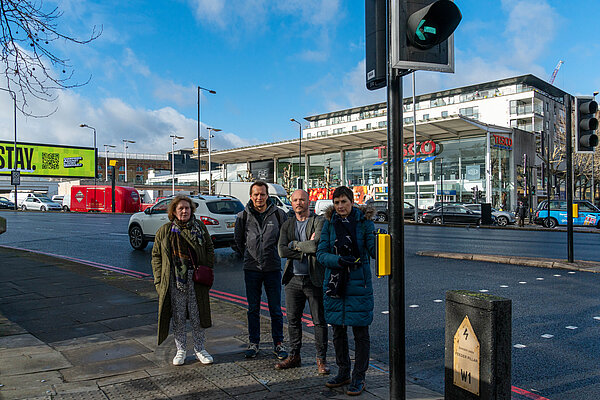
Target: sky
270, 61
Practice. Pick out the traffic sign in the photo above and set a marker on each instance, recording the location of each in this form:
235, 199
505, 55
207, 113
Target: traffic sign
15, 178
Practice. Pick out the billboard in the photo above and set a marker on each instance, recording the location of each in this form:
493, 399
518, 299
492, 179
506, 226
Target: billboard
34, 159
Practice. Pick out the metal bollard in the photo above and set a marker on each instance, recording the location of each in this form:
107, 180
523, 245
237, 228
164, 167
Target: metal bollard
478, 346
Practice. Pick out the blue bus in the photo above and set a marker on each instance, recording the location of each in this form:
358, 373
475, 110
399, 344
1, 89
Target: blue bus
589, 214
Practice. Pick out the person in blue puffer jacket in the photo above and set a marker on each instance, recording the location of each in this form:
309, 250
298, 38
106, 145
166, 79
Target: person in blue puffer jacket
347, 243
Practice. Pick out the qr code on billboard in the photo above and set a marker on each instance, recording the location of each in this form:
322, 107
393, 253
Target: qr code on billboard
50, 161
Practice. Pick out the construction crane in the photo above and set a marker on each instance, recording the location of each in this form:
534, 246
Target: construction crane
555, 72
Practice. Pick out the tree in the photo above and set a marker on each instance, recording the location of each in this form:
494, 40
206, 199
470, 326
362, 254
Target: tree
31, 65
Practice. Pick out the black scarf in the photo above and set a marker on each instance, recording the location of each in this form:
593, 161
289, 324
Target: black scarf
184, 237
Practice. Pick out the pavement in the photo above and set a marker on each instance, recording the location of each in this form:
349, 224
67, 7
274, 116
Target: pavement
576, 265
71, 331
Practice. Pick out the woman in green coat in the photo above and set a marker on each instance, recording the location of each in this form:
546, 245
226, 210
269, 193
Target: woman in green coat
180, 246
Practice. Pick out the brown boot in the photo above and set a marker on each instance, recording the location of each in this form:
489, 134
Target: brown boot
292, 361
322, 366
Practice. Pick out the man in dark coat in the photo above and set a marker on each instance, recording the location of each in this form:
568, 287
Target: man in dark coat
303, 280
256, 235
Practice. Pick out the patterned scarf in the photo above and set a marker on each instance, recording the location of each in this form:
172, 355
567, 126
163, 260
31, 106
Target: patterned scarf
184, 237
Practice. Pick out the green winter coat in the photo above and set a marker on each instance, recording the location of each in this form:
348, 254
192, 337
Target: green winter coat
161, 268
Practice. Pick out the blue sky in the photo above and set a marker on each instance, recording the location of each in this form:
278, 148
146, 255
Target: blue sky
270, 61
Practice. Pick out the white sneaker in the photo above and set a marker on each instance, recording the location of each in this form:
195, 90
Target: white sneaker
179, 358
204, 357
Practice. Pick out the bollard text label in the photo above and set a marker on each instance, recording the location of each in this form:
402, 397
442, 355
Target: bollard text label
466, 358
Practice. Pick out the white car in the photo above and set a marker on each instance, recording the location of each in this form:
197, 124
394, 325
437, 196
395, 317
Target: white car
503, 218
40, 204
218, 213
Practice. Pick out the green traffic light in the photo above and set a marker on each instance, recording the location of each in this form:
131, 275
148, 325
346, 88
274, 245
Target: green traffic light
422, 30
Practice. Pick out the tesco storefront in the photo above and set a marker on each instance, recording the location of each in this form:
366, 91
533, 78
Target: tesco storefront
454, 162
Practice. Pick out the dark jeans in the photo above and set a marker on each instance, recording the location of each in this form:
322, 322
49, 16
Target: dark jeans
297, 291
254, 283
362, 347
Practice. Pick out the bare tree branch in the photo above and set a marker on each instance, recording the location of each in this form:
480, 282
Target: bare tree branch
31, 66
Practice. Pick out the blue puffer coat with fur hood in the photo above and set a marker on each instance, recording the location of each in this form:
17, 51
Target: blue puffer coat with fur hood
356, 307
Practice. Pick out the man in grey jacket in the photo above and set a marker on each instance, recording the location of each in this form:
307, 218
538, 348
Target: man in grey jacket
303, 280
256, 235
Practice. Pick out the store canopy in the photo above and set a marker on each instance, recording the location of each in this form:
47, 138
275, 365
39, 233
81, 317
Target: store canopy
437, 129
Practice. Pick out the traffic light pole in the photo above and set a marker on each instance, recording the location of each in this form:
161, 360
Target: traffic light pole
569, 178
397, 352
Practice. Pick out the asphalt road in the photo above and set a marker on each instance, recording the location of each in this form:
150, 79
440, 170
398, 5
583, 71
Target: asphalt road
556, 315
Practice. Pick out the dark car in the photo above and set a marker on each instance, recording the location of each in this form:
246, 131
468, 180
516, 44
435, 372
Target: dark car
382, 212
6, 204
451, 214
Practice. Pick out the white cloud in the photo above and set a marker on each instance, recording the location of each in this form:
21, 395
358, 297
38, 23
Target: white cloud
311, 18
171, 91
114, 121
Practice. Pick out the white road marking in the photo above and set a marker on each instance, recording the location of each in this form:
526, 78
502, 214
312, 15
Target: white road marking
483, 290
557, 275
519, 346
539, 279
414, 306
385, 312
522, 282
438, 301
571, 272
547, 336
503, 286
571, 327
597, 318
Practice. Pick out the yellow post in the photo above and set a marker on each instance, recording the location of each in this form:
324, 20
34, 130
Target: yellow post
384, 255
575, 210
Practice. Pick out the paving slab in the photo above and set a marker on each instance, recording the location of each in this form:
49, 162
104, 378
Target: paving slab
22, 340
107, 368
104, 351
24, 364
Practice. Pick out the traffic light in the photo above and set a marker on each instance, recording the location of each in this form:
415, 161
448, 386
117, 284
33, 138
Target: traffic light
585, 124
375, 43
422, 37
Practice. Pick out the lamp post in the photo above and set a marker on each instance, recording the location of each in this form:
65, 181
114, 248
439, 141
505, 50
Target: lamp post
14, 97
173, 137
593, 157
300, 184
95, 151
210, 131
125, 147
199, 122
106, 146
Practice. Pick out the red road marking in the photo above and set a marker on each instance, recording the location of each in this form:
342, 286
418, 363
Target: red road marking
528, 394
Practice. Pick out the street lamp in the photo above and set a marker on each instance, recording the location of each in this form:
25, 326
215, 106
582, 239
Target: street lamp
95, 151
14, 97
106, 146
593, 156
299, 153
210, 130
199, 122
125, 147
173, 137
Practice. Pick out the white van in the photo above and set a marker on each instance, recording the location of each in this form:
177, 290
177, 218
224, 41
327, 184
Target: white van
322, 205
241, 191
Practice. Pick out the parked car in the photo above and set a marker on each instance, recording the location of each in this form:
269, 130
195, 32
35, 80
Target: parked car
382, 212
453, 214
6, 203
589, 214
218, 213
503, 218
41, 204
58, 198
